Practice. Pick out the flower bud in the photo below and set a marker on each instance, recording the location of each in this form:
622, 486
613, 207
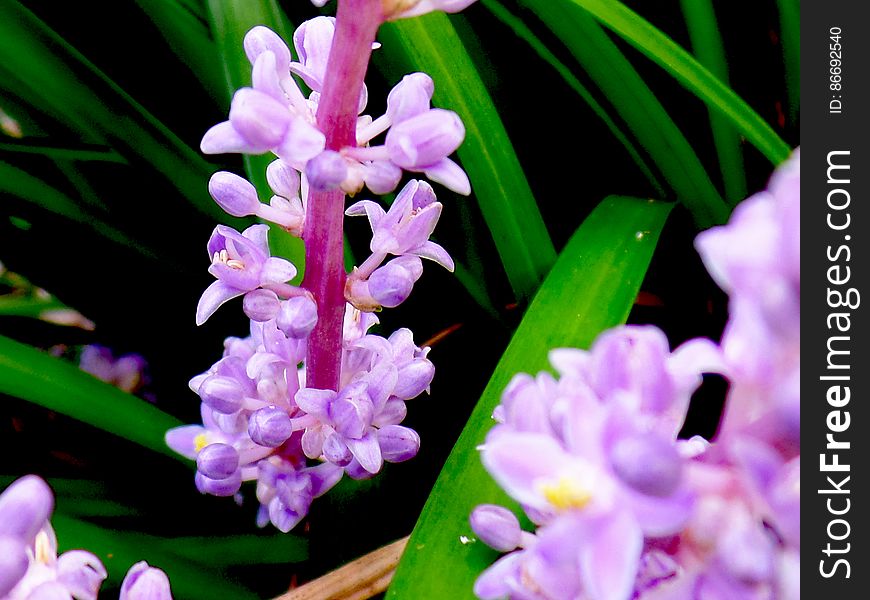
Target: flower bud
336, 451
270, 426
410, 97
382, 176
222, 394
398, 443
297, 317
425, 139
218, 487
326, 171
261, 305
234, 194
283, 179
496, 526
259, 40
260, 119
25, 506
414, 378
392, 283
217, 461
647, 462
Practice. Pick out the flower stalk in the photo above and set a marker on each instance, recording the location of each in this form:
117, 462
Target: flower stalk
357, 22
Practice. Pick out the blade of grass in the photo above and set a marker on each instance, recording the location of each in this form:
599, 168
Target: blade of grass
47, 72
237, 550
190, 40
643, 113
523, 32
119, 552
37, 377
20, 184
36, 146
430, 44
708, 47
790, 38
662, 50
81, 497
230, 20
590, 288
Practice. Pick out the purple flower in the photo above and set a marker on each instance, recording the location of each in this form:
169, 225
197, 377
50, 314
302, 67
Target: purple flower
497, 527
30, 567
241, 263
144, 582
405, 228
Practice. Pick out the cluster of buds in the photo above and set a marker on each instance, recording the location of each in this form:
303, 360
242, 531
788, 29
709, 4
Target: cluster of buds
274, 116
625, 509
30, 568
271, 412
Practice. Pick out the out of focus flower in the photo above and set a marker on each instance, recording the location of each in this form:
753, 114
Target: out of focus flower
625, 510
126, 372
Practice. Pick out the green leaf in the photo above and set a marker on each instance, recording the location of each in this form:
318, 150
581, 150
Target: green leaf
523, 32
39, 66
643, 113
707, 45
37, 377
790, 38
430, 44
230, 20
119, 551
591, 288
189, 38
238, 550
81, 498
83, 153
20, 184
688, 72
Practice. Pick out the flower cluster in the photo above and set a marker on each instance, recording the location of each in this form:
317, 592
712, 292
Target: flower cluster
261, 423
30, 568
267, 414
624, 508
275, 116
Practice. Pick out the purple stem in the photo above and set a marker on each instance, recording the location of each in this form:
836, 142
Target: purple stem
357, 22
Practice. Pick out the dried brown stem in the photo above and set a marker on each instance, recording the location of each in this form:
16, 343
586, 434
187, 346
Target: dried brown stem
361, 579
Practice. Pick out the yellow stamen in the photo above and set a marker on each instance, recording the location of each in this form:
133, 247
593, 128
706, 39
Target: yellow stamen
199, 442
565, 493
42, 549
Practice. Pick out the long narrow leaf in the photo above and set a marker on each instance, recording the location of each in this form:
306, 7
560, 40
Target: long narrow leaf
672, 58
523, 32
99, 154
188, 36
790, 38
37, 377
20, 184
708, 47
591, 287
47, 72
644, 114
430, 44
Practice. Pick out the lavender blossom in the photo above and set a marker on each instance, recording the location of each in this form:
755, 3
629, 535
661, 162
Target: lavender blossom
626, 510
125, 372
307, 385
144, 582
30, 567
241, 264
